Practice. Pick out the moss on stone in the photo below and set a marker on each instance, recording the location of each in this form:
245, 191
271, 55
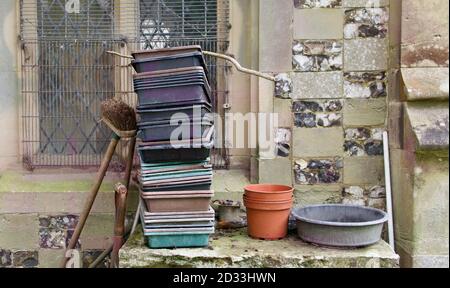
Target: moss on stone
17, 182
233, 248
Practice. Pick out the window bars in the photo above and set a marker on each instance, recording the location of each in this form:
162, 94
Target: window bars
66, 72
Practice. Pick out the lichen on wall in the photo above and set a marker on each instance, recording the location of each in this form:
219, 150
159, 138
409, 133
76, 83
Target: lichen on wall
425, 33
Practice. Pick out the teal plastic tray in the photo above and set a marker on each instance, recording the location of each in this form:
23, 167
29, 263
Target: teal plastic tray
177, 241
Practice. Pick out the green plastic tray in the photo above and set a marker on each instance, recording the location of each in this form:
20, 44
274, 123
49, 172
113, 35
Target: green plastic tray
179, 240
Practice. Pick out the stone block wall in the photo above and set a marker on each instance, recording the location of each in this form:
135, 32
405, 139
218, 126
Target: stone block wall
331, 100
39, 212
419, 117
34, 240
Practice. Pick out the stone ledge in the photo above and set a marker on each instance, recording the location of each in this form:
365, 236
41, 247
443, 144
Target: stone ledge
46, 192
425, 84
234, 249
429, 124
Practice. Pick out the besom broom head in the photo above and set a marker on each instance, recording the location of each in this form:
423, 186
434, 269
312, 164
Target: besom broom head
119, 114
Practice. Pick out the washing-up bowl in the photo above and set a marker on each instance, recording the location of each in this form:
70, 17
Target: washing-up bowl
340, 225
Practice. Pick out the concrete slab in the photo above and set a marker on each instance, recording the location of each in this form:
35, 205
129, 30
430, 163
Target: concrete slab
235, 249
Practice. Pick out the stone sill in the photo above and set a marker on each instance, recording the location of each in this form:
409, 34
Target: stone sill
234, 249
429, 123
422, 84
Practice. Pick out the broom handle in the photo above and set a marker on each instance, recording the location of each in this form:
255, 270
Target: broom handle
93, 194
130, 162
222, 56
121, 193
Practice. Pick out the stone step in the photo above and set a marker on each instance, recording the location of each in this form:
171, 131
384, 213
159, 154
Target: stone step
234, 249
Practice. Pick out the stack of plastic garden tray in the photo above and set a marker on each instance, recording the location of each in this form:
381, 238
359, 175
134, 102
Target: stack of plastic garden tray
176, 174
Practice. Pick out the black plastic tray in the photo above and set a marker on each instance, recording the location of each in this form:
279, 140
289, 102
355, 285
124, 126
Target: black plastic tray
174, 104
145, 54
166, 82
162, 130
151, 115
170, 84
180, 94
170, 62
168, 153
169, 78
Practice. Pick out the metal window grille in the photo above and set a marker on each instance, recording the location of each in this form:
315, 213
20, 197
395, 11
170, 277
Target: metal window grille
171, 23
66, 72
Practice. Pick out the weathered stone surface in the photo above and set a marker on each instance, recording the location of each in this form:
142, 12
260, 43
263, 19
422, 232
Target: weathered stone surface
353, 201
317, 194
366, 23
363, 171
89, 256
430, 261
236, 249
310, 114
365, 3
275, 55
59, 222
19, 232
69, 235
354, 191
425, 83
49, 258
431, 186
317, 142
265, 98
309, 120
55, 193
430, 124
25, 259
366, 54
56, 231
52, 202
283, 107
230, 181
365, 84
283, 140
5, 258
360, 112
425, 33
420, 183
371, 196
276, 171
325, 85
52, 238
318, 24
364, 142
311, 172
303, 4
283, 86
98, 232
377, 203
317, 55
377, 192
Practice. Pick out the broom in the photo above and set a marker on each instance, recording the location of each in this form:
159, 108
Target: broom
121, 119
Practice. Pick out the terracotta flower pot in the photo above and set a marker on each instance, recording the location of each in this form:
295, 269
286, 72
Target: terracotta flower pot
268, 220
267, 192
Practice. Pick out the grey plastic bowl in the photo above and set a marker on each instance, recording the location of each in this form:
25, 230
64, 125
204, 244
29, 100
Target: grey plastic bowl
340, 225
